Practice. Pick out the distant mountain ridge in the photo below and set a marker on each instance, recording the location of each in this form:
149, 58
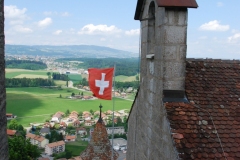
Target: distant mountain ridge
78, 51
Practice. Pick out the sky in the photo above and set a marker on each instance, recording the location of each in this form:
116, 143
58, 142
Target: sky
213, 28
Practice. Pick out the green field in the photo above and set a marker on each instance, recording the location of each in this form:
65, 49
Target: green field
75, 77
76, 147
20, 73
122, 78
35, 105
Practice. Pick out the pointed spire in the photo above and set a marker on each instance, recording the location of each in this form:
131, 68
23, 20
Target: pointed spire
100, 115
99, 146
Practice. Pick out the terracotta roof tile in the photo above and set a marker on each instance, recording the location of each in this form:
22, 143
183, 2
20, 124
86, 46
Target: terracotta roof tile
11, 132
213, 88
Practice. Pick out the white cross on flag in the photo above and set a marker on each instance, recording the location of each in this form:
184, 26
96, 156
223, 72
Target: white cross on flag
100, 82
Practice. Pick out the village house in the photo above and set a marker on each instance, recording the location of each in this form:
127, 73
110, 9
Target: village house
88, 123
73, 116
116, 130
55, 147
11, 133
76, 123
44, 131
63, 124
40, 141
57, 117
10, 116
87, 116
81, 131
70, 138
109, 112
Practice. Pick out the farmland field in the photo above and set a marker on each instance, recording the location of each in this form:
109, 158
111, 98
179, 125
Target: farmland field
122, 78
75, 77
35, 105
13, 73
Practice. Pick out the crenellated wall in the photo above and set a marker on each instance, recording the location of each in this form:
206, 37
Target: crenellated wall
163, 54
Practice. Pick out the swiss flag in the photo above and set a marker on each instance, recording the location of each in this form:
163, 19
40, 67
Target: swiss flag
100, 82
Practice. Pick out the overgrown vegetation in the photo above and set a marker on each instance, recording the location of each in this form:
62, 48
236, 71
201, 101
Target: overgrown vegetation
24, 64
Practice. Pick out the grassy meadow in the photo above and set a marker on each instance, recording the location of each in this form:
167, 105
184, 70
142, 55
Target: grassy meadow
35, 104
20, 73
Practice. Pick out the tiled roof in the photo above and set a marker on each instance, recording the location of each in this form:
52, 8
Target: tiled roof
43, 159
70, 137
165, 3
54, 144
35, 137
30, 135
99, 145
11, 132
209, 126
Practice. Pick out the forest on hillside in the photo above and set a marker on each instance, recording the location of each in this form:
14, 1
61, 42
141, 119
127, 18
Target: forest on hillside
124, 66
25, 64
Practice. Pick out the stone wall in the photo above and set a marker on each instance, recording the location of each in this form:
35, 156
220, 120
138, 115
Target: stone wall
149, 134
3, 118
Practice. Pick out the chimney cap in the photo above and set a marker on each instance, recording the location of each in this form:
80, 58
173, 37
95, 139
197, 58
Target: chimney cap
165, 3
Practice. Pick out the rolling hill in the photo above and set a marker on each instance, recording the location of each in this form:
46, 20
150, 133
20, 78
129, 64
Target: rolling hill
78, 51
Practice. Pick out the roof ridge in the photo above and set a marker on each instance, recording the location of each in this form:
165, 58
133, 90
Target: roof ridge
214, 60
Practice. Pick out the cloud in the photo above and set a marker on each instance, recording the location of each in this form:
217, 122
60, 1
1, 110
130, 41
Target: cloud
91, 29
48, 13
102, 39
214, 26
43, 23
21, 29
133, 32
234, 38
57, 32
14, 14
65, 14
220, 4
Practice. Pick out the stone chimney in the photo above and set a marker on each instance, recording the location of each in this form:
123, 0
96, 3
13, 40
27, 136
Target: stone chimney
163, 55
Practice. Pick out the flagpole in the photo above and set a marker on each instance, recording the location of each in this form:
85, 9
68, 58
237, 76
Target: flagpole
113, 108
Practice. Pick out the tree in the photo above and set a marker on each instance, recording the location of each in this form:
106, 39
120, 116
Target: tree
19, 148
67, 112
73, 94
60, 96
49, 75
91, 111
57, 126
82, 94
13, 124
80, 113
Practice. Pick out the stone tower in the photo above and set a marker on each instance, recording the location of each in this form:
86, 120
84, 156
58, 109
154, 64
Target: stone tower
163, 55
3, 119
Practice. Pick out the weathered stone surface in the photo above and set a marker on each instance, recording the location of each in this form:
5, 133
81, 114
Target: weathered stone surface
175, 34
3, 119
151, 139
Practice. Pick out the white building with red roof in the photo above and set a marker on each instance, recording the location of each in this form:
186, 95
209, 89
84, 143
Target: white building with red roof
55, 147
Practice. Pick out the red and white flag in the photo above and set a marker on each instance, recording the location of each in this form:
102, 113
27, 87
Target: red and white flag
100, 82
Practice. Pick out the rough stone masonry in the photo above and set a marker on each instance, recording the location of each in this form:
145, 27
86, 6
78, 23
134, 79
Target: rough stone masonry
163, 55
3, 119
